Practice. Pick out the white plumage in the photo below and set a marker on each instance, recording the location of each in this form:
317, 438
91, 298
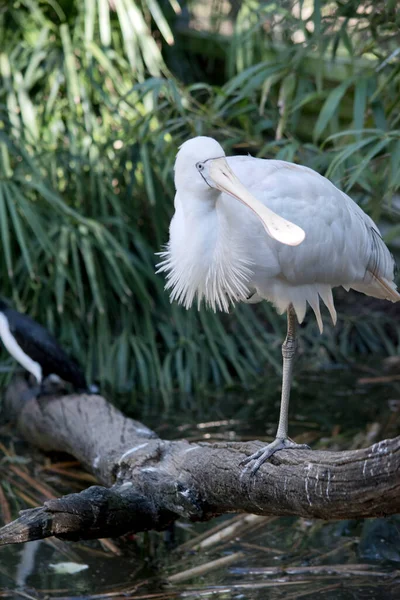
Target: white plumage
225, 251
219, 251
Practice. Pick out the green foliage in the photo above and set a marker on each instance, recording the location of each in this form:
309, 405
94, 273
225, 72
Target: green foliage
90, 120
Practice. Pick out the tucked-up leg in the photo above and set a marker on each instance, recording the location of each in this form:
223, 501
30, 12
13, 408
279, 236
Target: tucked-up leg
281, 442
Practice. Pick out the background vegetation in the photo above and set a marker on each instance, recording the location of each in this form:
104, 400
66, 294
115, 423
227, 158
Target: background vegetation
95, 98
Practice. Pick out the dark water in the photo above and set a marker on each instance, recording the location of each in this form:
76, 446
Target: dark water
239, 557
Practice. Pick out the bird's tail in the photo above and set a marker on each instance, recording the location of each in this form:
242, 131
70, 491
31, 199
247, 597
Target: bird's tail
379, 287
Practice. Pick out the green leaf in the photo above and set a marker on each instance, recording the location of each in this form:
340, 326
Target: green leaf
70, 68
317, 16
90, 17
148, 175
33, 72
376, 148
19, 230
5, 161
160, 21
394, 181
214, 348
62, 267
88, 257
286, 94
12, 104
348, 151
104, 22
330, 107
5, 233
360, 102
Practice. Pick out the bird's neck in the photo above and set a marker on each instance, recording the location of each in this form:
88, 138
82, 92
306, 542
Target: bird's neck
198, 206
204, 257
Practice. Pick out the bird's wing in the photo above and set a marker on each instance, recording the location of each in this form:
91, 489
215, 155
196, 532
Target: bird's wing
42, 347
343, 245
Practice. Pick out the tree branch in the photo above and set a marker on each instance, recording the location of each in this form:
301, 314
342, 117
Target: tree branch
151, 482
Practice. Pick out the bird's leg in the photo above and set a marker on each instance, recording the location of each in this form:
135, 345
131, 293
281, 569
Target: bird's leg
289, 348
281, 440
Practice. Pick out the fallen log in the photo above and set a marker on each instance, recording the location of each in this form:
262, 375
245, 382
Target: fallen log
148, 483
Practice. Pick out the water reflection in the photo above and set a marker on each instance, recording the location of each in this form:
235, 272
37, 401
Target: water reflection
26, 566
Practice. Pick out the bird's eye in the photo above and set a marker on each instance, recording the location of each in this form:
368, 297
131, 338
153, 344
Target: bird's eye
200, 166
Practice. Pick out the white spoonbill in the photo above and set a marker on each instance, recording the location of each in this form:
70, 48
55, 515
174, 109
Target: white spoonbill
247, 229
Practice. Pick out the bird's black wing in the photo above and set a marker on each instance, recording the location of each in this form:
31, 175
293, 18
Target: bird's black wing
36, 341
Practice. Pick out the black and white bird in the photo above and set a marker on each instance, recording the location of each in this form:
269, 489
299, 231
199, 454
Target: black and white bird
37, 350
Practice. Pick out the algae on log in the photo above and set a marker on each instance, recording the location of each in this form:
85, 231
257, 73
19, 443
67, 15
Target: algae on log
147, 483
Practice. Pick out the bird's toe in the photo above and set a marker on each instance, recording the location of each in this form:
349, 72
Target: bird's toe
261, 456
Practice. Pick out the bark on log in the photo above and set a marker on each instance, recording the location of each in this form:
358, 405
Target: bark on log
149, 482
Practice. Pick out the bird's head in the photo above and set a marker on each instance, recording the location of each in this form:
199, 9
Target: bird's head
201, 168
193, 162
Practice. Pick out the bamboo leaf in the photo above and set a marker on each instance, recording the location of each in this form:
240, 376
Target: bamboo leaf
5, 233
140, 363
12, 104
394, 182
378, 112
148, 176
90, 17
214, 348
360, 102
317, 16
33, 71
160, 21
286, 94
104, 22
5, 161
108, 66
77, 272
376, 148
330, 107
19, 230
129, 38
348, 151
61, 267
33, 219
88, 258
70, 68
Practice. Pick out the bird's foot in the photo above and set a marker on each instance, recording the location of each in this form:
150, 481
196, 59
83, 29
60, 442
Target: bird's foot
262, 455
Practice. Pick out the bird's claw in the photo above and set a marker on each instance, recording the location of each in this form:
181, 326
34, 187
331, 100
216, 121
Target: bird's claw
262, 455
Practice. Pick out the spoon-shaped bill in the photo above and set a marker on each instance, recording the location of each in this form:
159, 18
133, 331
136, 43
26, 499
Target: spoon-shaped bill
277, 227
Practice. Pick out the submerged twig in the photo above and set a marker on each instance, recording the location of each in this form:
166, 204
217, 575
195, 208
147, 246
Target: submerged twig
205, 568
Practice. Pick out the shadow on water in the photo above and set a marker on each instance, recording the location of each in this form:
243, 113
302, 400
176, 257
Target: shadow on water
239, 557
